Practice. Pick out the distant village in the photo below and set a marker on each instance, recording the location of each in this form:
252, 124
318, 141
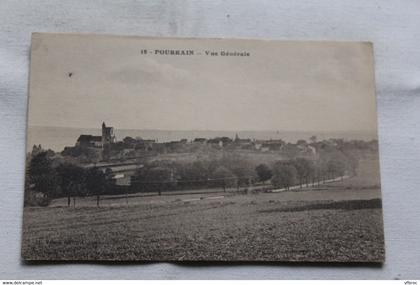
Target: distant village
146, 165
108, 147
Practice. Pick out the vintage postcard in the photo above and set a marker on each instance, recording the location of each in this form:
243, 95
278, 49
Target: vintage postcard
160, 149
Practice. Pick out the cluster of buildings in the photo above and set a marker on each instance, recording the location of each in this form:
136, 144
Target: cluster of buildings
238, 143
120, 152
108, 139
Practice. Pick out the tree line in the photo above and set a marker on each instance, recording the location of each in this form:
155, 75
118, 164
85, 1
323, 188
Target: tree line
44, 181
235, 171
47, 179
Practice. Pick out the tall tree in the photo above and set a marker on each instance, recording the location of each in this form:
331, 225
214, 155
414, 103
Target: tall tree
42, 176
264, 172
336, 167
72, 180
284, 175
304, 169
224, 177
96, 183
155, 178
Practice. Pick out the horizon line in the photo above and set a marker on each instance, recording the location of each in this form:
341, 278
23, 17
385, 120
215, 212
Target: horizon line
210, 130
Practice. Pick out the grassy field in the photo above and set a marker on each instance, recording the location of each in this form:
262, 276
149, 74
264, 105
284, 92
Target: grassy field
340, 221
238, 227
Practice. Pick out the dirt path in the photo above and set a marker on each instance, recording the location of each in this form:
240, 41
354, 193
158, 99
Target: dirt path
309, 185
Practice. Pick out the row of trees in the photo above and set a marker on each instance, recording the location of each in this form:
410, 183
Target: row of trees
228, 171
65, 180
302, 171
53, 178
236, 171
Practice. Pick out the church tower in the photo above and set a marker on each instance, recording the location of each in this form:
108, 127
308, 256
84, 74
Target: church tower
108, 136
103, 134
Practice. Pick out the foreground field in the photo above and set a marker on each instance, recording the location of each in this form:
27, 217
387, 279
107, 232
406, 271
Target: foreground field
335, 224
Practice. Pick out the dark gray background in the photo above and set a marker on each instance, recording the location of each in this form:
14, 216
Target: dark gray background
393, 27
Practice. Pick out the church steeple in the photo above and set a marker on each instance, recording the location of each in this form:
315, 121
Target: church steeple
108, 136
236, 137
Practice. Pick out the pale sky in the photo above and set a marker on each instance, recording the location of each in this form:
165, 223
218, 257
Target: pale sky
289, 86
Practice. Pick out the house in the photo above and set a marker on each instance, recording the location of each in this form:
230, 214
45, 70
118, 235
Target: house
312, 149
130, 142
272, 145
240, 141
146, 145
89, 141
106, 138
220, 141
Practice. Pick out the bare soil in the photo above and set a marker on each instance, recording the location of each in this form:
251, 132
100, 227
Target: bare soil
338, 224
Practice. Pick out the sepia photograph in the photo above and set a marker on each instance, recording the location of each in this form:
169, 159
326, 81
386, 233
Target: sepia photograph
178, 149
